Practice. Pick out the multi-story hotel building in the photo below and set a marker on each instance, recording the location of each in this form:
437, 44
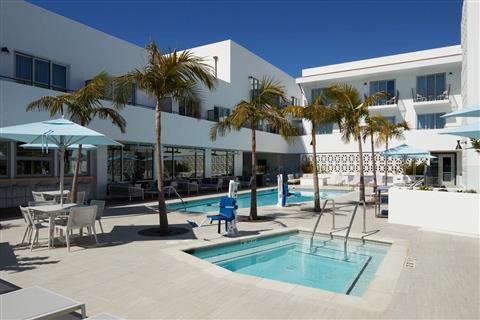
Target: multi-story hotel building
43, 53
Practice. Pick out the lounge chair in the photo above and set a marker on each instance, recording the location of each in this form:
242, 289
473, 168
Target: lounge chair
336, 179
292, 179
227, 212
104, 316
355, 180
37, 303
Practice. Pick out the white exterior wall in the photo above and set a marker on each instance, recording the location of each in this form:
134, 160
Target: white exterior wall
471, 83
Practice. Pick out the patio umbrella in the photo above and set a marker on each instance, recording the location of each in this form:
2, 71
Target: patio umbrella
405, 151
60, 133
470, 131
465, 112
71, 147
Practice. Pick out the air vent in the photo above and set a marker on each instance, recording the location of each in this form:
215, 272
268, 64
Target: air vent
410, 262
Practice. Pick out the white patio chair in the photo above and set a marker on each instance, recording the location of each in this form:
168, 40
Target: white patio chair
32, 227
192, 186
78, 218
38, 196
100, 208
80, 197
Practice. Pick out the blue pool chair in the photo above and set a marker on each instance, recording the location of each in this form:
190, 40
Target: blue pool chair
227, 212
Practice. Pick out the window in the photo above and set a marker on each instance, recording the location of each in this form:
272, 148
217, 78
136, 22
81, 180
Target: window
110, 91
40, 72
166, 104
189, 111
326, 128
431, 87
218, 113
131, 163
317, 92
182, 163
71, 161
254, 87
3, 158
23, 68
387, 86
222, 163
430, 121
391, 119
294, 101
34, 162
59, 77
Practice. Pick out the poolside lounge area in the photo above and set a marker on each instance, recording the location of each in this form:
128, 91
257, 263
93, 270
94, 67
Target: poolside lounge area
134, 277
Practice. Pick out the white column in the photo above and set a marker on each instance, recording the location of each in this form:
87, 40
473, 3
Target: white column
208, 163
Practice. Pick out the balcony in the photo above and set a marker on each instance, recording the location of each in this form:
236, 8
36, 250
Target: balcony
387, 103
34, 84
430, 96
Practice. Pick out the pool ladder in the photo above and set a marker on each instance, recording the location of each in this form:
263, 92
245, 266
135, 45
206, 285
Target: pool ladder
179, 197
321, 214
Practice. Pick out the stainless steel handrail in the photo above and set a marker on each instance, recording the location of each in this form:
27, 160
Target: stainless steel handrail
321, 214
179, 197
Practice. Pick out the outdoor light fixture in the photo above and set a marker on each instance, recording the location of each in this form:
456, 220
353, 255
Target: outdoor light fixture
459, 145
5, 49
216, 60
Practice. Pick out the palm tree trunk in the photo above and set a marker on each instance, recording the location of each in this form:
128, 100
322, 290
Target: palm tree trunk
316, 190
162, 209
361, 184
253, 197
386, 162
73, 195
374, 165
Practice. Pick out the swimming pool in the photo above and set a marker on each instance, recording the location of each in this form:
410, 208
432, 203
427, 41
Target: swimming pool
294, 259
264, 198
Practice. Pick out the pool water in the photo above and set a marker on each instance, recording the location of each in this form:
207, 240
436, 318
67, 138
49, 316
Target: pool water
264, 198
293, 258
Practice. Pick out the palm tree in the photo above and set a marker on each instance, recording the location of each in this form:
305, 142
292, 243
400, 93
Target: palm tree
83, 106
388, 131
262, 107
318, 113
169, 74
352, 110
371, 129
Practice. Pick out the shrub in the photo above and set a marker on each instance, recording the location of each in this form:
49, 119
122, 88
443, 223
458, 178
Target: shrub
307, 166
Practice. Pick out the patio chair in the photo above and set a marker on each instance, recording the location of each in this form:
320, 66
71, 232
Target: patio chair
292, 179
38, 196
246, 184
79, 218
443, 95
213, 186
32, 228
192, 186
420, 98
227, 212
336, 179
355, 180
100, 208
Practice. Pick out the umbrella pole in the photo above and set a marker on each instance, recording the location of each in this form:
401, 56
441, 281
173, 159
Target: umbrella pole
62, 173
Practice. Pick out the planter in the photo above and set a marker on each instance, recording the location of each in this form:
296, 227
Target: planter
447, 211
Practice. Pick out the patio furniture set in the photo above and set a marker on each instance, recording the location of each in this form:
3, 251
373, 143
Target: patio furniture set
48, 212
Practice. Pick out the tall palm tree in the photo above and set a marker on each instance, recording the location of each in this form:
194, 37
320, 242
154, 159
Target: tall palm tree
169, 74
262, 107
83, 106
371, 129
318, 113
388, 131
352, 111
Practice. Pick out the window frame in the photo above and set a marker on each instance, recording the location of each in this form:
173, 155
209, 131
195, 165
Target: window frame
436, 117
436, 92
384, 100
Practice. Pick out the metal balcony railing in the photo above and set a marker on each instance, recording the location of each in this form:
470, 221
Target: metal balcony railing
426, 95
34, 84
391, 100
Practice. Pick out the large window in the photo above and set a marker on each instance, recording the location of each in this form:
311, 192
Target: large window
222, 163
326, 128
34, 162
131, 163
40, 72
183, 163
189, 111
430, 121
218, 113
317, 92
3, 158
387, 86
166, 104
431, 86
71, 161
391, 119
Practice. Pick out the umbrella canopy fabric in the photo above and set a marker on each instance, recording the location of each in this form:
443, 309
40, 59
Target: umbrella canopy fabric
71, 147
470, 131
406, 151
465, 112
60, 132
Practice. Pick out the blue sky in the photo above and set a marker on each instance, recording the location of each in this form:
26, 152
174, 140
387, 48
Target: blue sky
290, 34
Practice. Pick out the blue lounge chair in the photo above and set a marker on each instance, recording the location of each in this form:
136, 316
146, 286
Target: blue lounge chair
227, 212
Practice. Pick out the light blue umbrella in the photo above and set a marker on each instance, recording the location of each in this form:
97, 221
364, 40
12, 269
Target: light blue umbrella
72, 147
470, 131
405, 151
465, 112
60, 133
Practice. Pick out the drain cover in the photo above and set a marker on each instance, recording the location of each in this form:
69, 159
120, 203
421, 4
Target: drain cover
410, 262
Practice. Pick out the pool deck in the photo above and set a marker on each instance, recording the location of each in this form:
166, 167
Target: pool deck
138, 277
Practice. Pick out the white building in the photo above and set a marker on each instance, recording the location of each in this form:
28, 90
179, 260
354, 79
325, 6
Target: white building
43, 53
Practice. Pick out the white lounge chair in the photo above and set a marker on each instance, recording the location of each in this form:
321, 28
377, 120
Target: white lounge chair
292, 179
104, 316
336, 179
192, 186
78, 218
355, 180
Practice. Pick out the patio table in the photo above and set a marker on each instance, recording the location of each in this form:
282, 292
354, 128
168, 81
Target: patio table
37, 303
55, 194
52, 211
